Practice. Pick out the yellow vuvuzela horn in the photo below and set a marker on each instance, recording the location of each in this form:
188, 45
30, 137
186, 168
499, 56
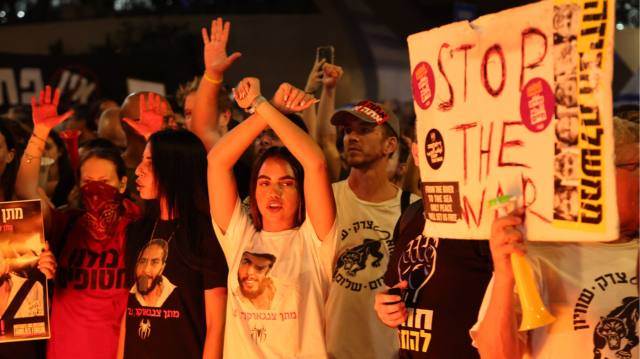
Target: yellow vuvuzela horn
534, 314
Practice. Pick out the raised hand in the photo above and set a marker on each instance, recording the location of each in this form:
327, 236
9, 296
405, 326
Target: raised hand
248, 90
331, 75
289, 99
216, 61
47, 262
315, 77
46, 112
151, 116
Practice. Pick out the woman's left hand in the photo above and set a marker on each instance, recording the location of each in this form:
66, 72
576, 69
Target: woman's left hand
248, 90
47, 262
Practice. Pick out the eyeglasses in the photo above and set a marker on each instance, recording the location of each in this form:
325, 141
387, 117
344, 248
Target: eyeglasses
629, 166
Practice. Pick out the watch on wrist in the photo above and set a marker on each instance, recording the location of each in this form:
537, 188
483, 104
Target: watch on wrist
256, 102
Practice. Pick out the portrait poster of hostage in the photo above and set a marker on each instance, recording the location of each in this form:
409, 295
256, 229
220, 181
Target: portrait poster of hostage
24, 305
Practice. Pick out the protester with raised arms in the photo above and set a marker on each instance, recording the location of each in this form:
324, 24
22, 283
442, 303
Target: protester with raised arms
280, 261
175, 265
85, 320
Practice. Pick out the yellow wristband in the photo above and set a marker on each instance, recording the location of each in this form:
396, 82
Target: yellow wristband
212, 80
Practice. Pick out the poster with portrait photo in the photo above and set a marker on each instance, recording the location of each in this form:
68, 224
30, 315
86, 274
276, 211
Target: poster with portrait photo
522, 100
23, 288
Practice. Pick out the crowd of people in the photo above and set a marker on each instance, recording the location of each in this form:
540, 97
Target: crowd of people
243, 227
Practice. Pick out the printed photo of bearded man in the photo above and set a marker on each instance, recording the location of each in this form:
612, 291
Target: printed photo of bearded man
254, 281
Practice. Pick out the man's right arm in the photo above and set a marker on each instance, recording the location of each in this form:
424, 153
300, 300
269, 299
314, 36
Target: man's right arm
497, 336
326, 132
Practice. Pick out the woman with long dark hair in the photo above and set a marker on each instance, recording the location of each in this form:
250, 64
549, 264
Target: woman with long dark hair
280, 259
89, 296
175, 265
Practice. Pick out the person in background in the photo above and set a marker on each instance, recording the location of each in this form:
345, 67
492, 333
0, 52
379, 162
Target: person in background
109, 127
21, 132
174, 261
592, 320
86, 318
21, 114
81, 120
436, 277
99, 107
397, 166
369, 207
74, 198
186, 96
46, 263
321, 129
136, 142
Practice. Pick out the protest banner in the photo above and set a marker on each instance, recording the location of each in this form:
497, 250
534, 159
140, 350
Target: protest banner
519, 103
25, 306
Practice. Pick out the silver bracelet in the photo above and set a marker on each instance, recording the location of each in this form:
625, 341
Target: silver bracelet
256, 102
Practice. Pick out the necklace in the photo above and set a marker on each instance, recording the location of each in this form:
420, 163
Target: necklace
154, 231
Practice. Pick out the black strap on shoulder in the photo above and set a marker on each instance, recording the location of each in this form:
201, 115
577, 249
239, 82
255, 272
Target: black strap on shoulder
405, 201
407, 215
16, 302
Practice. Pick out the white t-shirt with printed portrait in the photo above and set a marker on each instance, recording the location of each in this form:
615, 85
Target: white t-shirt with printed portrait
592, 291
365, 245
296, 285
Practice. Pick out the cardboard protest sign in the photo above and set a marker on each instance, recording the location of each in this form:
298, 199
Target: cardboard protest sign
24, 288
519, 103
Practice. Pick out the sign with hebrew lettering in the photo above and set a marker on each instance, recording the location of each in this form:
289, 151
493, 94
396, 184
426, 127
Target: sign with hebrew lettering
519, 103
24, 306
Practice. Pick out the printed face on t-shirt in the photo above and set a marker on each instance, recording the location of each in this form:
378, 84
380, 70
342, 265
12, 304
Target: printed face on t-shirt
253, 275
277, 195
149, 268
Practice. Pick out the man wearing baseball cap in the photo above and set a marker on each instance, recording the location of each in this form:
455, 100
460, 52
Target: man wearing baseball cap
368, 207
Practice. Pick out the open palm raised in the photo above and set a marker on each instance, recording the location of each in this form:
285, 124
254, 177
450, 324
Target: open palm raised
46, 112
215, 49
151, 116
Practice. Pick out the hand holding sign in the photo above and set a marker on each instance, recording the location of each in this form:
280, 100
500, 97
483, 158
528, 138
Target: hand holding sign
507, 242
47, 262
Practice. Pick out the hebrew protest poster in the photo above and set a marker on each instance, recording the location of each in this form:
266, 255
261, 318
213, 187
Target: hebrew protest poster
23, 289
519, 103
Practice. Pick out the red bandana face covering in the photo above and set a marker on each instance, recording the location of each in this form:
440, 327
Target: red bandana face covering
102, 203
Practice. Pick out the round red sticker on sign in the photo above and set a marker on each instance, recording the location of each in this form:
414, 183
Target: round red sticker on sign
423, 84
537, 104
